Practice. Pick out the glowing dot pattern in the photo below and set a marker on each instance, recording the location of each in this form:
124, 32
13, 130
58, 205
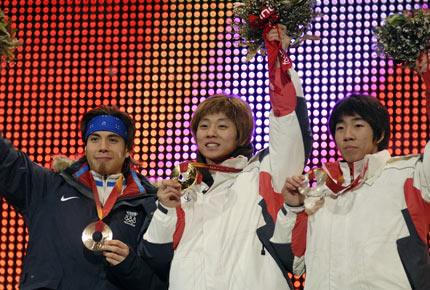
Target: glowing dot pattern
158, 59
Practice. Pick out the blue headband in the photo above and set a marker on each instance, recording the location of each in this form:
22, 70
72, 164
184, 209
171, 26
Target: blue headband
106, 123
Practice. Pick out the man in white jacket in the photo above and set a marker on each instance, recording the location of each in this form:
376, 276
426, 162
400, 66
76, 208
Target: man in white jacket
222, 234
369, 229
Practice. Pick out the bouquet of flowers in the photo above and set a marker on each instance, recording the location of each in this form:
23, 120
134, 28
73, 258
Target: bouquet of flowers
8, 42
252, 17
405, 37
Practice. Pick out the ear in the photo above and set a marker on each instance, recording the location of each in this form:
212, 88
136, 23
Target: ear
127, 154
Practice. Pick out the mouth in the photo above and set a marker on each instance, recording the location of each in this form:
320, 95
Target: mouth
103, 158
349, 148
211, 146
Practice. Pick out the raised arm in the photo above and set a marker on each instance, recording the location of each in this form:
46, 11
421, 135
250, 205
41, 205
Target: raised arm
290, 137
21, 181
289, 145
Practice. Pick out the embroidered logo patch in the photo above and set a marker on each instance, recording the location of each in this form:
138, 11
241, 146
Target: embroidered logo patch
130, 218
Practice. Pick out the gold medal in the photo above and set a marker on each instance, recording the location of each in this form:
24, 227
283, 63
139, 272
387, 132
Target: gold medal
94, 239
185, 176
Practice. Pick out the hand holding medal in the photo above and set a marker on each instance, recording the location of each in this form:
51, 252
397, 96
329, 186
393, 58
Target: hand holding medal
314, 194
184, 176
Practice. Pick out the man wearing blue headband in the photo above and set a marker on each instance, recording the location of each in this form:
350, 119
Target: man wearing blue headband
86, 220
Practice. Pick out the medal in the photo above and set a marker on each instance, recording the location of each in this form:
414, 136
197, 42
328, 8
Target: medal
96, 233
314, 194
185, 174
94, 238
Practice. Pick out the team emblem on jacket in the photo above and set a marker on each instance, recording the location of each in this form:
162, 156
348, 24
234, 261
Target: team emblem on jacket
130, 218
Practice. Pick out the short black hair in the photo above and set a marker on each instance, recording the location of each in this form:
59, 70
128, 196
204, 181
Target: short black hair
112, 111
368, 108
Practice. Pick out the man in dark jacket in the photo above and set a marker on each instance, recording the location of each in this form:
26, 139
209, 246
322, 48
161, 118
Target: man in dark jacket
86, 221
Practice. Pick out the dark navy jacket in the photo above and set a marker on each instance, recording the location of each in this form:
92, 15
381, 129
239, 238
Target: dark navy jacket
56, 209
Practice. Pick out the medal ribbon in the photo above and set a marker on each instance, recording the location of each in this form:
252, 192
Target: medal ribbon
213, 167
103, 211
335, 178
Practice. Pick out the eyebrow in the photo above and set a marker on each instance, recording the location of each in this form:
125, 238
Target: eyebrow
355, 118
109, 136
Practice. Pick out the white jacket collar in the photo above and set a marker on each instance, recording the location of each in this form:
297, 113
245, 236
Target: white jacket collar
375, 164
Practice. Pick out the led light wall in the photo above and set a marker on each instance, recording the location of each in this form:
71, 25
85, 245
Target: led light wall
158, 59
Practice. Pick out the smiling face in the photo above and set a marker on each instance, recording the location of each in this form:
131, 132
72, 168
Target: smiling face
216, 137
106, 152
354, 138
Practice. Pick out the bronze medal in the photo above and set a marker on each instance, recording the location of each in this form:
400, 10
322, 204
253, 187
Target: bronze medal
93, 238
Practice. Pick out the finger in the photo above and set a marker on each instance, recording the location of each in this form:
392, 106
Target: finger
170, 197
113, 258
171, 183
117, 243
295, 182
112, 261
298, 179
115, 250
291, 187
288, 186
172, 193
169, 191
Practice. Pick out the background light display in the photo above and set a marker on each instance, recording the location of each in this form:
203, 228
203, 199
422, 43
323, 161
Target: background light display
158, 59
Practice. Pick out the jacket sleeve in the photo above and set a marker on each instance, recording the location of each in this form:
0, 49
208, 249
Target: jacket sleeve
158, 241
22, 182
289, 146
289, 238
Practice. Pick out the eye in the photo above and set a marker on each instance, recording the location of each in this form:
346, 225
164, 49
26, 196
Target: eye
93, 138
203, 126
113, 140
339, 128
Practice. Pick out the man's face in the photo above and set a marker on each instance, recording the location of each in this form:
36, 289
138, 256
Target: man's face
106, 152
216, 137
354, 138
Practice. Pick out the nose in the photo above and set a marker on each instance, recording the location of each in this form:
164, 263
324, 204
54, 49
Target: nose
212, 131
104, 145
348, 133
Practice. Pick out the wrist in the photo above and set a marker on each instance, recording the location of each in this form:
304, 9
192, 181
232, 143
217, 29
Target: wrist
294, 208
